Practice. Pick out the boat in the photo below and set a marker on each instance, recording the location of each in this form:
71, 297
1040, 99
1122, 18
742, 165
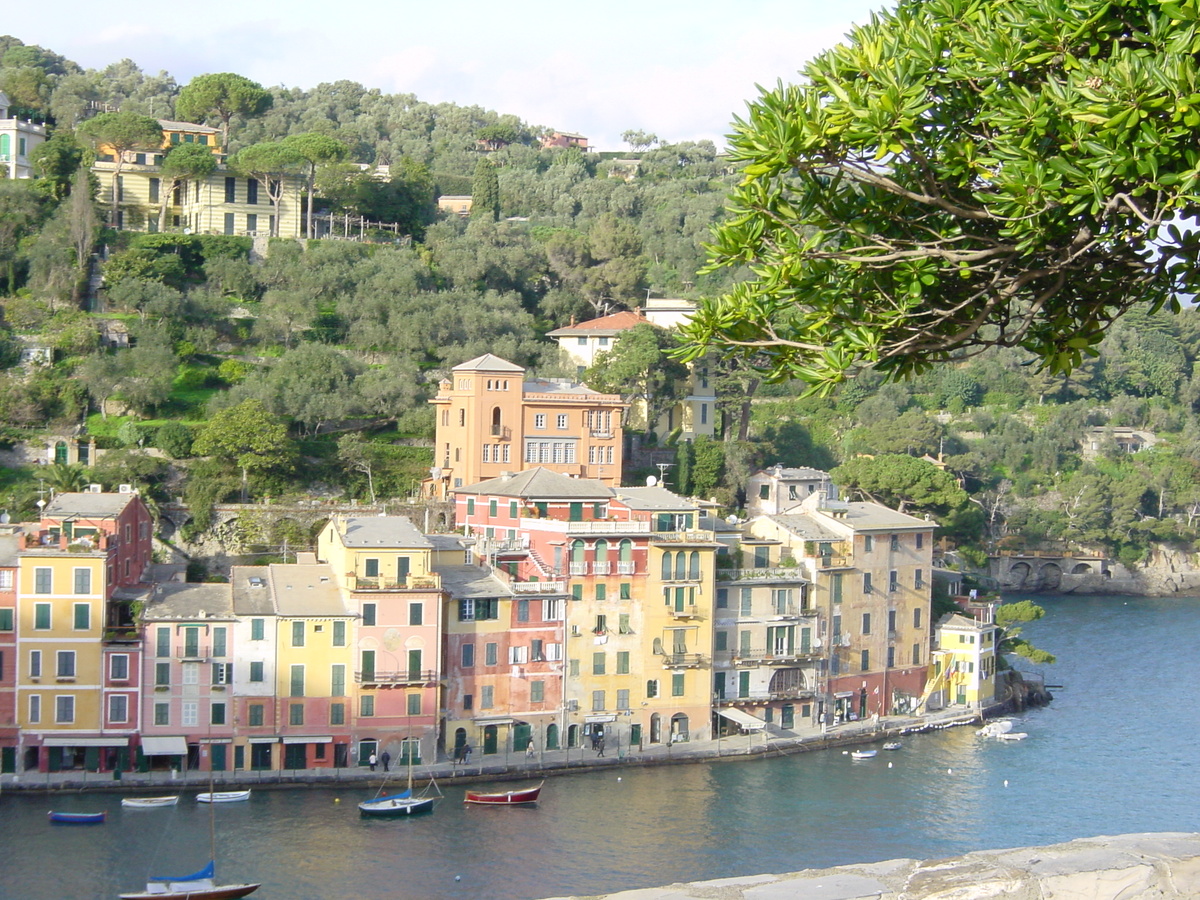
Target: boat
395, 806
506, 798
892, 745
197, 886
74, 818
222, 796
863, 754
1013, 736
149, 802
996, 729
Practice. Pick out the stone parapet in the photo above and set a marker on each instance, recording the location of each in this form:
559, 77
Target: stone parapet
1163, 866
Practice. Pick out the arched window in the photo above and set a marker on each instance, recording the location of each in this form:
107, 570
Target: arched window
666, 566
694, 566
551, 736
577, 555
495, 420
625, 551
601, 551
680, 566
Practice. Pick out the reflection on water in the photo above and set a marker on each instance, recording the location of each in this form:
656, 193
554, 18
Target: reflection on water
1117, 751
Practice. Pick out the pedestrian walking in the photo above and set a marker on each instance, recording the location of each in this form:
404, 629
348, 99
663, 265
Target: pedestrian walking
466, 753
529, 749
372, 760
385, 759
600, 747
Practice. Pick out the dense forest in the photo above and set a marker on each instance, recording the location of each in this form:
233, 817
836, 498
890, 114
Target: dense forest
332, 349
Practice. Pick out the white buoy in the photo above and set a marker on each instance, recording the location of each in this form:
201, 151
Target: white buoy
949, 771
458, 878
1006, 782
889, 765
618, 778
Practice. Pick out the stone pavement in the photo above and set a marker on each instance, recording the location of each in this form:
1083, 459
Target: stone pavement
1126, 867
507, 765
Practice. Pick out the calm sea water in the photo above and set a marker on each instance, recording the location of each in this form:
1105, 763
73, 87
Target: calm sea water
1117, 751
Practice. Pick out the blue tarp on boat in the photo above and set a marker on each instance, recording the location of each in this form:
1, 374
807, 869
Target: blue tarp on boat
208, 871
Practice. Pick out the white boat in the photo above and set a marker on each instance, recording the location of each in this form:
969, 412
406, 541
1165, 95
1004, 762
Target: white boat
892, 745
198, 886
863, 754
222, 796
996, 729
149, 802
1013, 736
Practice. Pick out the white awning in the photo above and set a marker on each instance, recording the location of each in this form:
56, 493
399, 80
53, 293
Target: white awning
308, 739
599, 718
264, 740
745, 720
85, 742
164, 746
842, 695
494, 720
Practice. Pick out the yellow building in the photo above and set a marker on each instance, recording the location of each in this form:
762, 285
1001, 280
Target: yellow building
221, 203
964, 663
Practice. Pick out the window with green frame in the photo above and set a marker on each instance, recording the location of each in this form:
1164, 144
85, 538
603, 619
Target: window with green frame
41, 616
6, 618
255, 716
337, 713
622, 662
414, 704
295, 713
83, 616
677, 684
537, 691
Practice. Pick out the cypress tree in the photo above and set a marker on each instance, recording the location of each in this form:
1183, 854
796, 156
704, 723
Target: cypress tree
485, 192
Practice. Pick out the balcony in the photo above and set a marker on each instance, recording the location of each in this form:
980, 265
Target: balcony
602, 568
683, 537
791, 611
770, 656
626, 567
787, 573
538, 587
790, 693
683, 661
396, 679
835, 562
430, 582
688, 612
577, 568
503, 432
601, 434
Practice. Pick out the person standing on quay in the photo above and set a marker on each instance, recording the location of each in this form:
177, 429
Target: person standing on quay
372, 760
385, 759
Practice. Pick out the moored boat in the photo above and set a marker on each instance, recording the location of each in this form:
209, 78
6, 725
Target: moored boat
863, 754
1013, 736
197, 886
396, 805
222, 796
149, 802
506, 798
892, 745
77, 818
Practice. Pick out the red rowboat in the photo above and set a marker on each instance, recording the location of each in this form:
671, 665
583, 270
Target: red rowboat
506, 798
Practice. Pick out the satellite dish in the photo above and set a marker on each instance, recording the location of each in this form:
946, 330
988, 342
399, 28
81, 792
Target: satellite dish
4, 520
651, 480
731, 519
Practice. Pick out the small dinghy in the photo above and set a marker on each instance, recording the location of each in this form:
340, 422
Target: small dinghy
1013, 736
77, 818
863, 754
222, 796
892, 745
149, 802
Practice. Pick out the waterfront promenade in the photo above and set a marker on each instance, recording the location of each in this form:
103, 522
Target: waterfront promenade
511, 766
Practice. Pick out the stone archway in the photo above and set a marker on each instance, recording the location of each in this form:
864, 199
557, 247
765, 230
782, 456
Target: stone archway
1051, 576
1018, 575
1082, 569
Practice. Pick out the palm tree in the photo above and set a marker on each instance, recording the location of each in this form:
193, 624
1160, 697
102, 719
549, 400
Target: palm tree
64, 479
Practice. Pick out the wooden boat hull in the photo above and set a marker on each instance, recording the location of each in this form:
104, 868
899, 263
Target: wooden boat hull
222, 796
505, 798
395, 807
215, 892
70, 818
149, 802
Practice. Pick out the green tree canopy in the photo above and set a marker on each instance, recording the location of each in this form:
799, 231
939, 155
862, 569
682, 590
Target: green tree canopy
183, 162
118, 133
248, 436
639, 368
485, 192
224, 95
315, 149
269, 163
959, 175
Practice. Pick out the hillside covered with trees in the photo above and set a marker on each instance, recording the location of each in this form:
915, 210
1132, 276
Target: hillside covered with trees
333, 348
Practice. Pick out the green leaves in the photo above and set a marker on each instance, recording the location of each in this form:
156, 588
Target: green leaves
960, 175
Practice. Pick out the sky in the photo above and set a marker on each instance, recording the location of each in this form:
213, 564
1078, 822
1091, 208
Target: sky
680, 70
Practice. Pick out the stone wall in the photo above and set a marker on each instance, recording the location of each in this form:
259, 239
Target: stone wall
1126, 867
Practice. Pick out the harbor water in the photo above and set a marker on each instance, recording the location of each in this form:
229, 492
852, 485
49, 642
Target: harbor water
1117, 751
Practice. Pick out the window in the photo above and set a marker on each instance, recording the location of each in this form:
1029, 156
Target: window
537, 691
337, 713
118, 667
539, 420
468, 656
747, 596
65, 666
891, 657
162, 714
255, 715
162, 674
83, 616
252, 190
677, 684
83, 581
866, 623
468, 701
337, 680
371, 568
601, 626
865, 662
573, 668
339, 634
64, 710
891, 620
486, 695
219, 643
41, 616
918, 579
490, 655
416, 612
623, 626
6, 579
917, 617
191, 673
522, 610
895, 544
554, 652
413, 704
222, 673
893, 581
251, 222
561, 421
916, 654
720, 640
295, 713
537, 650
297, 682
118, 709
920, 540
601, 592
230, 190
598, 663
622, 662
191, 642
256, 671
229, 224
722, 598
551, 610
869, 542
216, 714
866, 582
762, 557
597, 701
366, 705
257, 629
835, 587
470, 506
764, 492
368, 614
518, 655
652, 688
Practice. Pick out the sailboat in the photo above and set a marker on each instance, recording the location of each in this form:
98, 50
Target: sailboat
200, 885
393, 806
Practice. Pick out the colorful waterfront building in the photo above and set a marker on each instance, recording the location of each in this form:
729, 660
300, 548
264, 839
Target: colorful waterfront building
71, 566
869, 567
639, 577
256, 636
384, 568
964, 661
10, 540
